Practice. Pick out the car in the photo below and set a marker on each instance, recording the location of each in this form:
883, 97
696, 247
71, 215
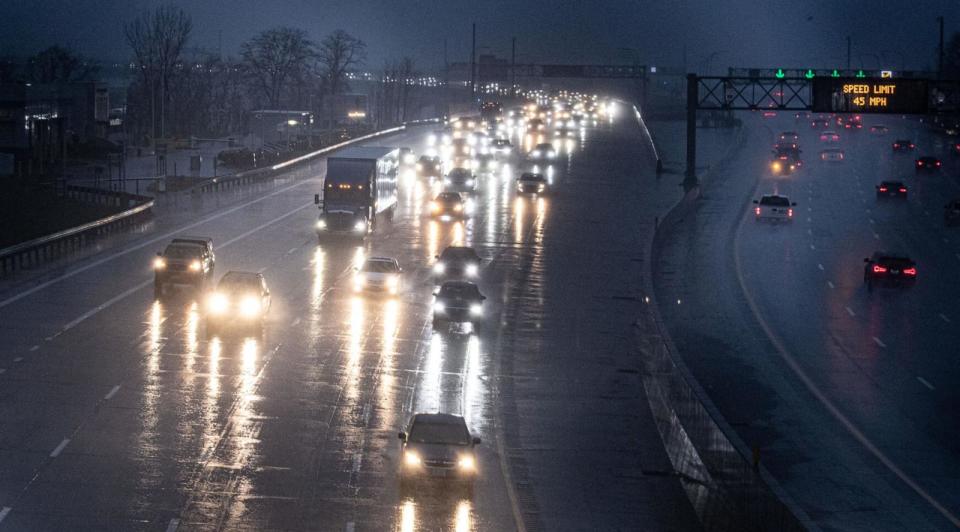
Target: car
448, 206
786, 160
789, 137
879, 129
770, 114
429, 168
531, 183
851, 122
240, 301
544, 150
829, 136
820, 123
457, 261
832, 155
486, 163
774, 207
927, 163
460, 180
889, 269
891, 189
378, 274
951, 213
438, 447
501, 146
903, 145
457, 302
186, 261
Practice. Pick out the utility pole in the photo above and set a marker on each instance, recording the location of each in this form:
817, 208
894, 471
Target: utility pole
940, 59
473, 63
513, 65
848, 53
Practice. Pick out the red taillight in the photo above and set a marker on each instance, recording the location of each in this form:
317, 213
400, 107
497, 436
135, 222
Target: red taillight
879, 269
912, 146
883, 189
790, 213
938, 163
896, 144
757, 211
903, 189
919, 163
910, 271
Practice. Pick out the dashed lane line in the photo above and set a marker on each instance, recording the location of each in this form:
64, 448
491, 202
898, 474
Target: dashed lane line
4, 512
925, 382
173, 525
830, 284
850, 311
944, 317
879, 342
113, 391
59, 449
820, 266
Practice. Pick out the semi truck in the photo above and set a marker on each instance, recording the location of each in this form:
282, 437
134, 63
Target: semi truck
359, 191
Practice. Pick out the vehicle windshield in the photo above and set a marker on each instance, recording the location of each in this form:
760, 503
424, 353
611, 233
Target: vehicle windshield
237, 283
775, 201
458, 254
449, 197
183, 251
459, 291
379, 266
438, 433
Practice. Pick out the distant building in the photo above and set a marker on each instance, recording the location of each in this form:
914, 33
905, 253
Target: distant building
39, 123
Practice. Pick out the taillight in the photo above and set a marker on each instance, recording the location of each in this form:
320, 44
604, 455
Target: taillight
910, 271
757, 211
919, 163
790, 213
912, 146
896, 145
903, 189
938, 163
879, 269
883, 189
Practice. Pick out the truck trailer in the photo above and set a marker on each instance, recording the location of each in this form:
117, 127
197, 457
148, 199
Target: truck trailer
359, 191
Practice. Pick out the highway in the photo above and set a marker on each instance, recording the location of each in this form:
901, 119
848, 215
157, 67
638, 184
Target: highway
851, 396
119, 412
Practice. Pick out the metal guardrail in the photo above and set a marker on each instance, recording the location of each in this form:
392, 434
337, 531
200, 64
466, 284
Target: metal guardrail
728, 486
34, 252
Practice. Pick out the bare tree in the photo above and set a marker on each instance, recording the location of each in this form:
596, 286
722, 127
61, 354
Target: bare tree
158, 39
340, 52
276, 58
59, 65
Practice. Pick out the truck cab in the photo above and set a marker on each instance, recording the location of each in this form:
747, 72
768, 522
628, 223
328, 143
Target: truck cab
359, 189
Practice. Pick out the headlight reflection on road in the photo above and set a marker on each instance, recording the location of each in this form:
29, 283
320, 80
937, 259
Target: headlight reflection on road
190, 338
463, 521
433, 240
518, 219
248, 355
408, 516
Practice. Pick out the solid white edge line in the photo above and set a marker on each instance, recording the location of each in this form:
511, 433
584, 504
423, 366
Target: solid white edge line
113, 391
925, 382
173, 525
63, 445
944, 317
879, 342
850, 312
4, 512
821, 397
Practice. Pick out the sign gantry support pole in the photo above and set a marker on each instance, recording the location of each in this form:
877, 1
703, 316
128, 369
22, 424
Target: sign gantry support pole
690, 176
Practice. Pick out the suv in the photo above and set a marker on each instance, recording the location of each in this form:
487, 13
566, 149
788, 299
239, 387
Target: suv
544, 150
891, 189
951, 212
429, 168
903, 145
437, 446
457, 261
889, 268
927, 163
774, 207
531, 183
240, 300
458, 302
185, 261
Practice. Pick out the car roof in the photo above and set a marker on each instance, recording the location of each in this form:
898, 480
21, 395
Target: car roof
890, 255
458, 284
438, 419
198, 240
236, 275
891, 182
544, 145
927, 157
531, 175
449, 196
772, 196
381, 259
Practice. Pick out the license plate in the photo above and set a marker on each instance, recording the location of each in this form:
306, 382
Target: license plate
893, 193
895, 272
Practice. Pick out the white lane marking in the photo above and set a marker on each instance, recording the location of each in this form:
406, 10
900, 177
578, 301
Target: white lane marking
820, 266
879, 342
4, 512
876, 236
925, 383
350, 526
63, 445
173, 525
113, 391
850, 311
291, 251
34, 348
809, 209
852, 429
945, 240
830, 284
809, 219
812, 246
142, 245
871, 221
366, 414
357, 460
3, 370
944, 317
810, 232
140, 286
18, 359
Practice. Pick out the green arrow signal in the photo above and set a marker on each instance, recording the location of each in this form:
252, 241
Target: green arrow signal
809, 74
860, 74
835, 74
780, 73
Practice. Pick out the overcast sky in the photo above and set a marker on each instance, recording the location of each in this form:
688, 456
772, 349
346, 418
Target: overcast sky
797, 33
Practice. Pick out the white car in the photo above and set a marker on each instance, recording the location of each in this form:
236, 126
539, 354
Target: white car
378, 274
774, 207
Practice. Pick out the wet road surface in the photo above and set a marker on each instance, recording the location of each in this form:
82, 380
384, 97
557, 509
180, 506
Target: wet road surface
121, 412
850, 395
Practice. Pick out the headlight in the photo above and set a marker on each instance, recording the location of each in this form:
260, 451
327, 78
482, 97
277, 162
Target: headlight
535, 153
217, 303
359, 281
439, 267
411, 458
159, 263
250, 306
195, 266
471, 269
419, 167
551, 154
458, 208
540, 188
434, 206
439, 306
467, 463
360, 226
476, 309
470, 182
321, 224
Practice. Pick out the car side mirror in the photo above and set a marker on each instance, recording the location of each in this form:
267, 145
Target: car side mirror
794, 204
483, 298
866, 260
755, 201
476, 440
159, 253
316, 199
402, 435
